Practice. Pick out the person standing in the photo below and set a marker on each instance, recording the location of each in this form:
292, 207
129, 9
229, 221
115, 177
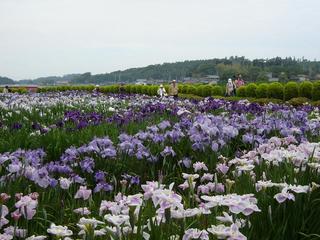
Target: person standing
239, 81
230, 88
162, 91
6, 89
173, 89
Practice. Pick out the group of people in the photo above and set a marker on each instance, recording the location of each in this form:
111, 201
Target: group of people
173, 90
233, 85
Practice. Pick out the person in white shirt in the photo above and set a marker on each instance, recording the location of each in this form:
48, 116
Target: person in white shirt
162, 91
230, 88
5, 89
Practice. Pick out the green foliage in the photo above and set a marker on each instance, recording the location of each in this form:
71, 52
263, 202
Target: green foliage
250, 90
275, 90
283, 77
305, 89
262, 90
264, 101
217, 91
316, 91
204, 90
262, 77
291, 90
19, 90
192, 90
190, 96
241, 91
298, 101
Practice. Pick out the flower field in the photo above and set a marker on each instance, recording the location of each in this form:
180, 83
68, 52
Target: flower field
78, 165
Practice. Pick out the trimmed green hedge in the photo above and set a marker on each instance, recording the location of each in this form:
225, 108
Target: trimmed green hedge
310, 90
241, 91
251, 90
291, 90
275, 90
217, 91
316, 91
262, 90
305, 89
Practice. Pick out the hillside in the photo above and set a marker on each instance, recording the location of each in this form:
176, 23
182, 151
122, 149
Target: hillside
252, 70
5, 80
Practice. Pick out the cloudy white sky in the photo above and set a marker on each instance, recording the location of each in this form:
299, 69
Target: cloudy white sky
56, 37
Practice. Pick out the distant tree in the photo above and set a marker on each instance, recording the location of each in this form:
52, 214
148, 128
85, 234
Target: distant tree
283, 77
262, 77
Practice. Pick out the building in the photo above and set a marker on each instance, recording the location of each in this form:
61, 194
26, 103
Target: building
62, 82
271, 78
302, 77
141, 82
210, 79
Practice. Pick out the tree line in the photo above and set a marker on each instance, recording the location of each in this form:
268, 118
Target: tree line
256, 70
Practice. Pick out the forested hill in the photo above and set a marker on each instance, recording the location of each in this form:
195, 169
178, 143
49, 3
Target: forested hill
251, 70
5, 81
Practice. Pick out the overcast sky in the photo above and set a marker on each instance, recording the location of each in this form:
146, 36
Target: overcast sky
56, 37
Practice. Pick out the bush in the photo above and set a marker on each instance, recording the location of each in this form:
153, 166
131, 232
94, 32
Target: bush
262, 90
19, 90
190, 96
264, 101
145, 89
316, 91
250, 90
204, 90
298, 101
305, 89
291, 90
200, 90
183, 88
128, 88
316, 103
241, 91
192, 90
139, 89
217, 91
275, 90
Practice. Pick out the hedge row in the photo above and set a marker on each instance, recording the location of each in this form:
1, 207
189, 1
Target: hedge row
198, 90
275, 90
285, 92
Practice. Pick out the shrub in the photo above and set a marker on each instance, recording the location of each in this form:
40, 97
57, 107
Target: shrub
192, 90
305, 89
250, 90
183, 88
190, 96
207, 91
217, 91
199, 90
264, 101
298, 101
316, 91
186, 89
19, 90
275, 90
128, 88
153, 90
262, 90
145, 89
316, 103
241, 91
139, 89
291, 90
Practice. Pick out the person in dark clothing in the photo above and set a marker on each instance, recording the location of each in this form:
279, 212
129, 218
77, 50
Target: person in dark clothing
122, 88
